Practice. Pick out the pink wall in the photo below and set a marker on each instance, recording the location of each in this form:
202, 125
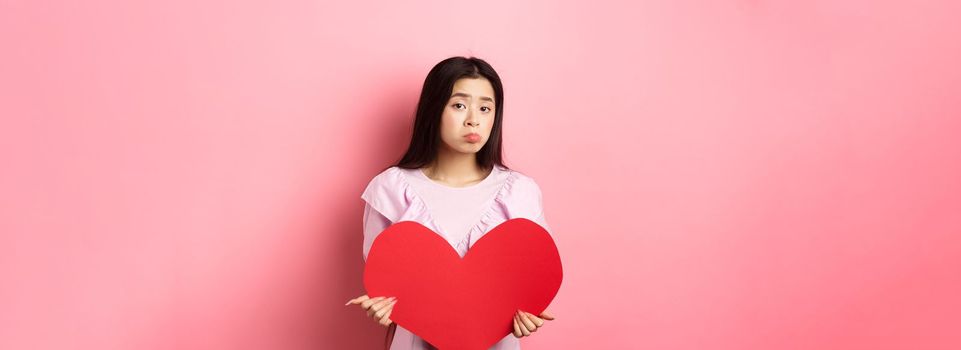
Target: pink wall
720, 174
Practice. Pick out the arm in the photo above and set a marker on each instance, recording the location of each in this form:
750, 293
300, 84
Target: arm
378, 308
526, 323
539, 218
374, 224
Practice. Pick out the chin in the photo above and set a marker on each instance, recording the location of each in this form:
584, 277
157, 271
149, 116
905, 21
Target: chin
470, 149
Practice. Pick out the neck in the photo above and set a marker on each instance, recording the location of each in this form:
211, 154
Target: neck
455, 168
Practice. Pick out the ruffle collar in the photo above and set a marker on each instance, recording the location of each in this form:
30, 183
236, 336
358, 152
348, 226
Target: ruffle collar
416, 209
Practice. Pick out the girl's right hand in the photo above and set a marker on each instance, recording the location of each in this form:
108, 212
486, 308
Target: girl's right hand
378, 308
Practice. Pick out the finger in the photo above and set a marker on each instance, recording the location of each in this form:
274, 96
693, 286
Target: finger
524, 331
379, 305
537, 320
383, 310
390, 310
357, 300
547, 315
376, 306
367, 303
517, 328
528, 325
385, 321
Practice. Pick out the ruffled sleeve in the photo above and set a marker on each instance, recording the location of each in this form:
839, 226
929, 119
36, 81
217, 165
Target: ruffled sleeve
525, 200
519, 198
386, 193
390, 199
374, 224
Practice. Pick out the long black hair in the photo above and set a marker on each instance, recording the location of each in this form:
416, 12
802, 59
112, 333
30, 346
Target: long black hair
433, 98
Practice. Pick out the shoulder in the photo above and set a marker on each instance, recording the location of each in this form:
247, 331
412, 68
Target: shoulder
522, 183
387, 192
522, 195
383, 183
384, 176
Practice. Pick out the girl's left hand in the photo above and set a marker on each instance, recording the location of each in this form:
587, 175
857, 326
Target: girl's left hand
526, 323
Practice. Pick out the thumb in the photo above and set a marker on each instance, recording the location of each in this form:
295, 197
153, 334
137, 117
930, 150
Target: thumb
547, 315
357, 300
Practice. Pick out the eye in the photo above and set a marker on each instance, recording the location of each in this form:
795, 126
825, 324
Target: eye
459, 105
488, 109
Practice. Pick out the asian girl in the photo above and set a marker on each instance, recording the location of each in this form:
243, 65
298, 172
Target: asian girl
452, 179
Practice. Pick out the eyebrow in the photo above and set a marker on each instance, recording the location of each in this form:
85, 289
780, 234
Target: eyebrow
461, 94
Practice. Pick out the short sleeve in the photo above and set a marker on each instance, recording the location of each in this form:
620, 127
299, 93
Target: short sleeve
523, 198
386, 193
374, 224
387, 201
539, 217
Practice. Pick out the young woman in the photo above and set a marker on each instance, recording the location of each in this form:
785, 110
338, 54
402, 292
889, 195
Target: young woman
453, 181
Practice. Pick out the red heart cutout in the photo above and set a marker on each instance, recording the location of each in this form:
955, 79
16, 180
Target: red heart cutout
468, 303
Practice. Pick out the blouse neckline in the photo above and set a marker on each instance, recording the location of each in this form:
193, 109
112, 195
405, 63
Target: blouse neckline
490, 177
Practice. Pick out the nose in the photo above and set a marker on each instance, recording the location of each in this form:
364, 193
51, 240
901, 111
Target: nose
470, 120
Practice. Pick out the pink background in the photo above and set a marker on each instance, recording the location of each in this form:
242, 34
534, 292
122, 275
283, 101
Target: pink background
720, 174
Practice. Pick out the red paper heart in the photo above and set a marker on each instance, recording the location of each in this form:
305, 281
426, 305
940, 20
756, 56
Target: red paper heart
467, 303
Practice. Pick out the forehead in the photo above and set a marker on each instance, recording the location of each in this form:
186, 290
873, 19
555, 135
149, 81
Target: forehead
475, 87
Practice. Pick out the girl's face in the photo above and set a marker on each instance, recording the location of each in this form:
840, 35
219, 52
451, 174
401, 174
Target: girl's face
468, 116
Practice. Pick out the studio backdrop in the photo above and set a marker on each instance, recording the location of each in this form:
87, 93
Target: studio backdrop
718, 174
